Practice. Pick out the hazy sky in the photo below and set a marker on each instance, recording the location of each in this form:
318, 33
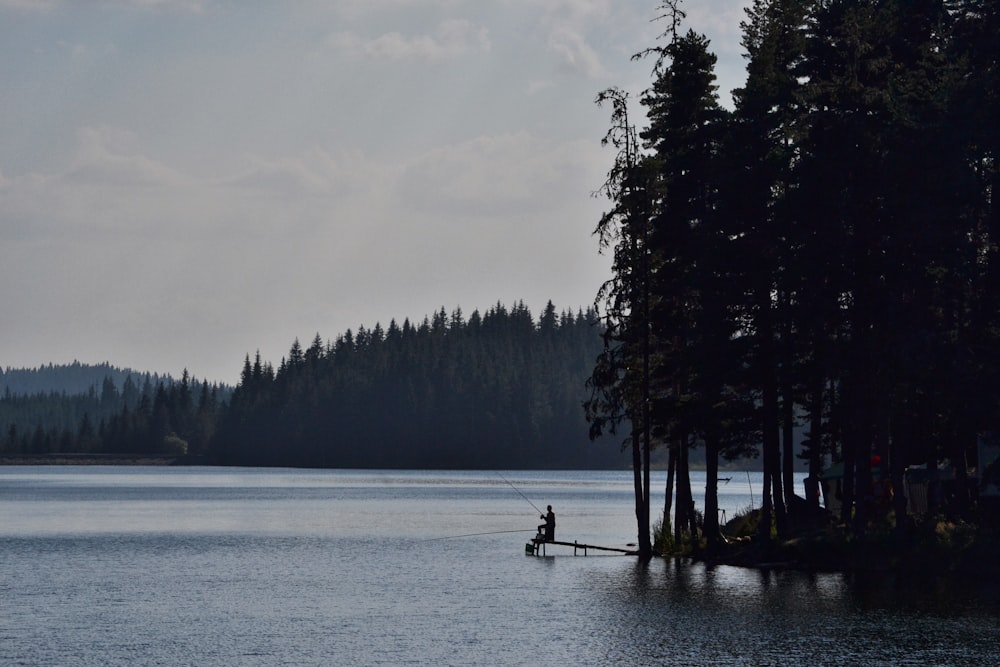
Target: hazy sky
183, 182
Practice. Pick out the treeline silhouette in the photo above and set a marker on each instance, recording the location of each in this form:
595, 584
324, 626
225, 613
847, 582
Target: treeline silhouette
495, 390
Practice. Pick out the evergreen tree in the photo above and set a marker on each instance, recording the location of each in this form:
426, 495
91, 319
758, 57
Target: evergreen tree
620, 382
762, 151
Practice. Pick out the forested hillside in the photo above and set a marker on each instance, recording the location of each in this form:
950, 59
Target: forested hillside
495, 390
124, 412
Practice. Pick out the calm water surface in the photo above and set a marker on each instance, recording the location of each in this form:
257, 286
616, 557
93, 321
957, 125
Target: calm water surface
210, 566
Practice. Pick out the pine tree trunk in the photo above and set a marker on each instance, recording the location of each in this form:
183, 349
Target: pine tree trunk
712, 533
766, 511
641, 498
780, 508
668, 496
685, 518
769, 408
692, 516
787, 406
815, 440
646, 546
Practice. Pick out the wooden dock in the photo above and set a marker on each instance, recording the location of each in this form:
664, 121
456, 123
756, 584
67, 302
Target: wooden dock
536, 547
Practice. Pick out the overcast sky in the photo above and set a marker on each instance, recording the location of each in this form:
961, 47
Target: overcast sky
183, 182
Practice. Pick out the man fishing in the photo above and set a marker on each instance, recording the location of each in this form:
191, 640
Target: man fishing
549, 526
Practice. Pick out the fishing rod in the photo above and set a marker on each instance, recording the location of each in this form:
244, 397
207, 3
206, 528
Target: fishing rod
494, 532
519, 492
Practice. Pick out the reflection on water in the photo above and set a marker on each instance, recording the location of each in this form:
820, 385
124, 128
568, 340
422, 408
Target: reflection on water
722, 615
249, 567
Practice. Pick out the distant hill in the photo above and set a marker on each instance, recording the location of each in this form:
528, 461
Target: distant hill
77, 409
71, 379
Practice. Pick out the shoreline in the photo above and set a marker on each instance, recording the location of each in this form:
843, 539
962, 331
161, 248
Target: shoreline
934, 549
90, 460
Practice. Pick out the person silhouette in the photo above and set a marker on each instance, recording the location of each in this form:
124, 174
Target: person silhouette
549, 527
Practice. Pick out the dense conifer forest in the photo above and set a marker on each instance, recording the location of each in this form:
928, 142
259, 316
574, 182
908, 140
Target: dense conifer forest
496, 389
491, 390
826, 252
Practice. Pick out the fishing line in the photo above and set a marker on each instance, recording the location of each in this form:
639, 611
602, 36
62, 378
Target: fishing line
519, 492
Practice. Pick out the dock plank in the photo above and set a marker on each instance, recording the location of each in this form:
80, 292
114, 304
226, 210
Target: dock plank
586, 547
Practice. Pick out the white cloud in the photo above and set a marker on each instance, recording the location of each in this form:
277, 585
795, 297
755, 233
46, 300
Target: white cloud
104, 190
453, 39
575, 53
570, 26
313, 173
538, 86
102, 158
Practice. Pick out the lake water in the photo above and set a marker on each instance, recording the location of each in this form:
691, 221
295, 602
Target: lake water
220, 566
